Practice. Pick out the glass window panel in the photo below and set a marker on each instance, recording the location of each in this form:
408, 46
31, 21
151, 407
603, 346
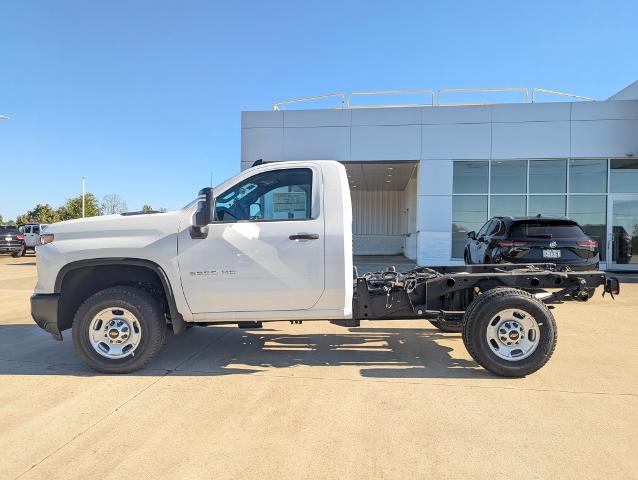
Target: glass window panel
513, 205
547, 205
469, 212
470, 177
590, 211
276, 195
624, 247
509, 176
547, 176
588, 176
624, 175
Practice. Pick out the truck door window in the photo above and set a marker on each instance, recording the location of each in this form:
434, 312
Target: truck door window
36, 229
283, 194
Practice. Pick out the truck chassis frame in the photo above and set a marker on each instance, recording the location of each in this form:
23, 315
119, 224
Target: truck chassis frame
445, 292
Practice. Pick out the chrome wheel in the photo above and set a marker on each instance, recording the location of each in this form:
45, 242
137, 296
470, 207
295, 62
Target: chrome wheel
513, 334
115, 333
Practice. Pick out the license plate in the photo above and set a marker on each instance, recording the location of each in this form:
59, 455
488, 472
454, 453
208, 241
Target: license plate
551, 253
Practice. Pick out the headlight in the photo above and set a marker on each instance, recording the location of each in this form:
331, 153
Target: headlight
46, 238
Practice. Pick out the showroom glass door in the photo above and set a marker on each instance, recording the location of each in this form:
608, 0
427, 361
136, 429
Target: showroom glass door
622, 248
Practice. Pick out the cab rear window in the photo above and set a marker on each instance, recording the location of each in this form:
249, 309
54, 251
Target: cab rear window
546, 230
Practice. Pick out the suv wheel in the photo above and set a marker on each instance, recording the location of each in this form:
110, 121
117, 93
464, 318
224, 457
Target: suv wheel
118, 330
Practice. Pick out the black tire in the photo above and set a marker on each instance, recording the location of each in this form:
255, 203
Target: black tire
484, 308
147, 312
449, 326
19, 253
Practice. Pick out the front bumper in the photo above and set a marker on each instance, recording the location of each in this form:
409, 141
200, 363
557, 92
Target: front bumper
44, 310
5, 249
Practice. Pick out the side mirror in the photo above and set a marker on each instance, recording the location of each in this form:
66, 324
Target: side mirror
204, 213
471, 234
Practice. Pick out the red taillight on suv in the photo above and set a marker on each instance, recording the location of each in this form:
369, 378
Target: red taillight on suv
588, 243
511, 243
46, 238
20, 236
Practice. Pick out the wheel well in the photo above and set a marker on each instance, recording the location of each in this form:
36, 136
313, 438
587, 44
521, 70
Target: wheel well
80, 283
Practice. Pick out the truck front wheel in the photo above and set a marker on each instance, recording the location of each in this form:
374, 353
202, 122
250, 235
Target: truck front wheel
509, 332
119, 329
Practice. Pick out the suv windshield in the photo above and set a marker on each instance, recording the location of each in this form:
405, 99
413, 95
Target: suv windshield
546, 229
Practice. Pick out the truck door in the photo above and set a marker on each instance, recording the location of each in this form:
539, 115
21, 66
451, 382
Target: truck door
28, 235
34, 236
264, 251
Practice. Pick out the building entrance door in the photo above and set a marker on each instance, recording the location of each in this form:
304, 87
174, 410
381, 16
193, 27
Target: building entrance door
622, 232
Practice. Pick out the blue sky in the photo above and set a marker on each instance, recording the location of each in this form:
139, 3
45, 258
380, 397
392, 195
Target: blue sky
144, 97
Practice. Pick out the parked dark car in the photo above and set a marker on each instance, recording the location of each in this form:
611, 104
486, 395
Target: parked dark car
11, 241
532, 240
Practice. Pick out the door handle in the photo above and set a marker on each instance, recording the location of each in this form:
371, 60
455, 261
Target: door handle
304, 236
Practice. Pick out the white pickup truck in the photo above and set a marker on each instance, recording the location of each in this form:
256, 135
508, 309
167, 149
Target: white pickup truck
273, 244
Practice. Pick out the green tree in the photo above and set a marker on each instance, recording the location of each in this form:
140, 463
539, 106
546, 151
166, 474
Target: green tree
42, 213
72, 208
146, 208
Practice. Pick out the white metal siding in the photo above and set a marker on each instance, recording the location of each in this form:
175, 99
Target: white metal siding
378, 223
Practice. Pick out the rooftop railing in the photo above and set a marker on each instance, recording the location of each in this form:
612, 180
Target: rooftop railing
429, 98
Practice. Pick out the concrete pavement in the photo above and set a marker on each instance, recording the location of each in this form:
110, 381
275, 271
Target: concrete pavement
387, 400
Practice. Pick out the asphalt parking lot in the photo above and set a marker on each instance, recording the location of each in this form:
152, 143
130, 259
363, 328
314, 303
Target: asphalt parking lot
387, 400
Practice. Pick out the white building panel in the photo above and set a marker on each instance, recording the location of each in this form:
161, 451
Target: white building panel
620, 110
386, 143
434, 248
262, 119
319, 142
316, 118
435, 177
385, 116
530, 140
446, 115
531, 112
456, 141
435, 213
601, 138
266, 143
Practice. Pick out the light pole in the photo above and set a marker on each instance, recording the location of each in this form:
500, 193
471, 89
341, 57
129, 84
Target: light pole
83, 190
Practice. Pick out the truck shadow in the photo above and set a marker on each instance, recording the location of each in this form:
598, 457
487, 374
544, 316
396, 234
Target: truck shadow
369, 352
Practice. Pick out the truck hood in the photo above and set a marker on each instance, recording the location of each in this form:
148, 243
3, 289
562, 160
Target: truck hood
152, 225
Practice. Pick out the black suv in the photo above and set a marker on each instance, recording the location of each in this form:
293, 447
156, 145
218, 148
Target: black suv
11, 240
532, 240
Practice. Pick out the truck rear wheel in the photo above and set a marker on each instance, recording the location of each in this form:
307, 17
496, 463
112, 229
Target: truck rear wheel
118, 330
509, 332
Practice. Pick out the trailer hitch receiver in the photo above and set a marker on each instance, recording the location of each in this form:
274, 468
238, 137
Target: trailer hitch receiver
612, 286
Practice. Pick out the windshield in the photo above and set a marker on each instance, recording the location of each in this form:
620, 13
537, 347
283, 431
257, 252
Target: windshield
4, 230
546, 229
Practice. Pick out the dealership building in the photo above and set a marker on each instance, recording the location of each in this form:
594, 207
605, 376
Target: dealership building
426, 167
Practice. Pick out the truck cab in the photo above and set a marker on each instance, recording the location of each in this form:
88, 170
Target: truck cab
272, 243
